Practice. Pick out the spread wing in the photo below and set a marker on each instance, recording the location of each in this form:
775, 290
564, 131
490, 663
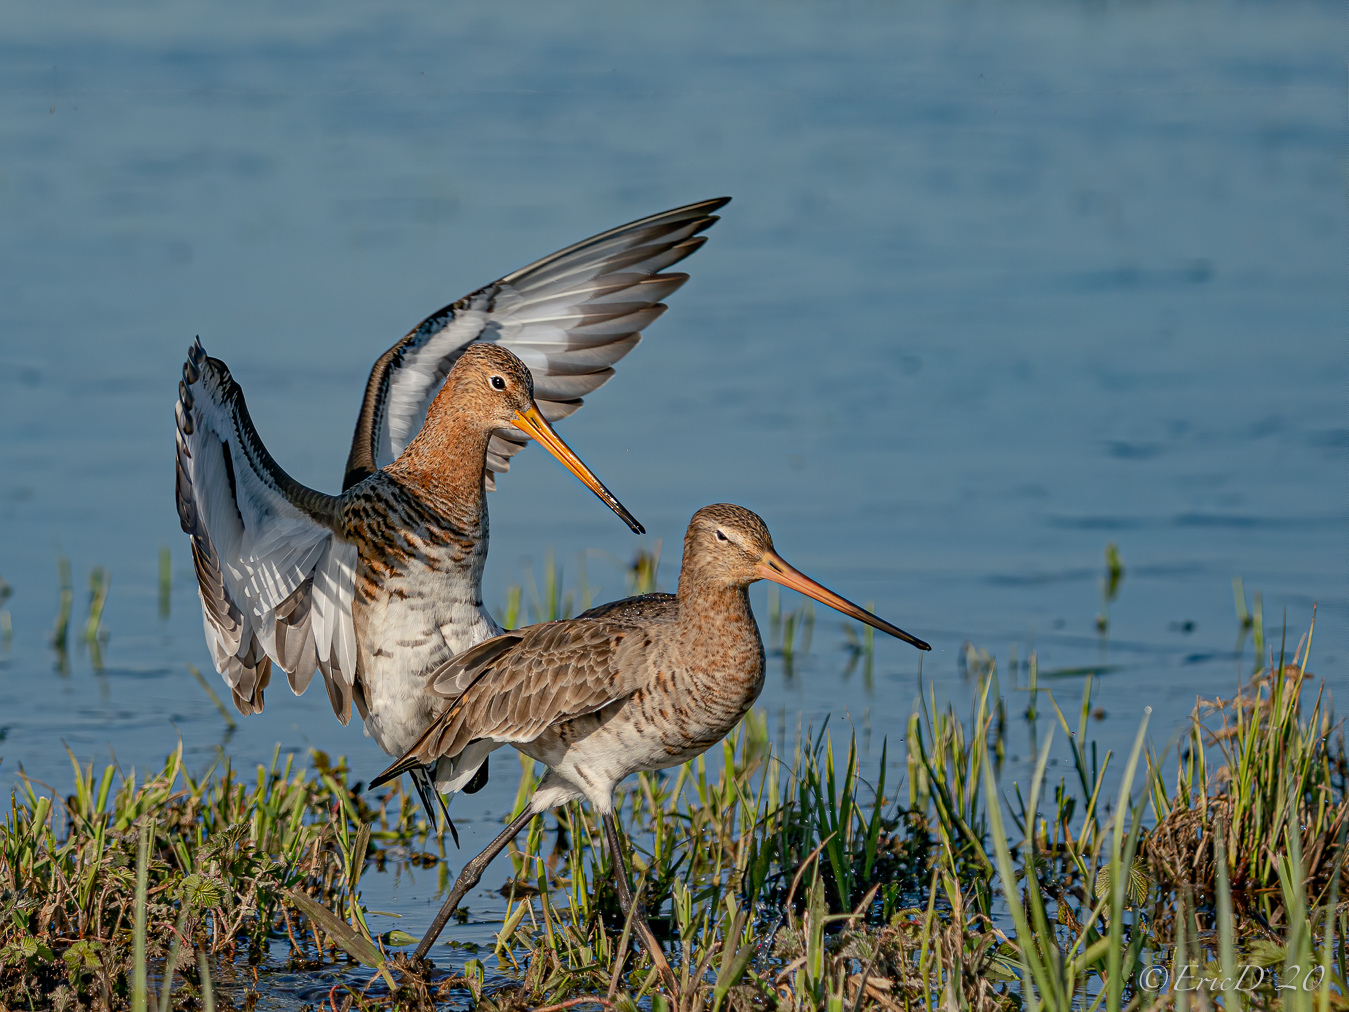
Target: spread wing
276, 580
569, 317
511, 688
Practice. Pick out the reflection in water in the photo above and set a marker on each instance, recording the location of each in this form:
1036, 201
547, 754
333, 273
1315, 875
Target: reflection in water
6, 624
94, 633
165, 581
61, 633
206, 687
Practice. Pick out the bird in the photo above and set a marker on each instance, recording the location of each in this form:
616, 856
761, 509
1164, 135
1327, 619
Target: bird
373, 587
640, 684
381, 583
569, 317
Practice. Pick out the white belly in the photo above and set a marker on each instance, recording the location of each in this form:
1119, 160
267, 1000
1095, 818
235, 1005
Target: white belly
403, 638
589, 755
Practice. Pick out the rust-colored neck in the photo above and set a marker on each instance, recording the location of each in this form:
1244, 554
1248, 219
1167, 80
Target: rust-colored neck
446, 463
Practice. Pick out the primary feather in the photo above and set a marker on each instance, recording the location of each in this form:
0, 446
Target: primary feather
569, 317
380, 584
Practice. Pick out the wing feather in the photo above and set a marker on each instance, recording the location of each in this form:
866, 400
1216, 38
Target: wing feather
564, 387
275, 576
571, 361
646, 607
569, 316
509, 689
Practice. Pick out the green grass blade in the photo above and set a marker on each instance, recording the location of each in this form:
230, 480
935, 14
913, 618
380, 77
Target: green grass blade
138, 981
204, 971
171, 965
1227, 950
1032, 966
1118, 877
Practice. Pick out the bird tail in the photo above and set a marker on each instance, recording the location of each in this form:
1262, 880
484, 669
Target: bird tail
426, 790
412, 759
413, 763
407, 764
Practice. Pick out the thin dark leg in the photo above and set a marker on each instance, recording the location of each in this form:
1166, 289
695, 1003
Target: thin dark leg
468, 878
638, 915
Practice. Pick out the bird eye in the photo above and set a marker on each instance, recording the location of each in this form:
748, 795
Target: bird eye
722, 537
498, 383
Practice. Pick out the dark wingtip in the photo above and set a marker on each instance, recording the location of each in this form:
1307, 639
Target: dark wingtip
389, 775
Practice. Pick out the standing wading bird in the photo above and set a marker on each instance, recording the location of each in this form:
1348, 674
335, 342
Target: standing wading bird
640, 684
377, 586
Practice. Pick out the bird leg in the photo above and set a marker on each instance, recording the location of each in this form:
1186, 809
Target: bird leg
635, 909
468, 878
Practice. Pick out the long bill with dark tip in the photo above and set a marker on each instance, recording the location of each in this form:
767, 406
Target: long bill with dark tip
773, 567
532, 423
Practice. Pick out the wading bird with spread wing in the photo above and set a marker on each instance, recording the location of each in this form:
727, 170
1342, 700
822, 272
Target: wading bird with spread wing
376, 586
641, 684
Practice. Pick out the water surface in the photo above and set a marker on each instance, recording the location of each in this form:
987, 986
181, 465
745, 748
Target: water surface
999, 285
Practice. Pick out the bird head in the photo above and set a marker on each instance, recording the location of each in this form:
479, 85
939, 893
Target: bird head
730, 545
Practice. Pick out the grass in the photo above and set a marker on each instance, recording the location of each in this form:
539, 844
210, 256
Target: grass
128, 871
61, 631
93, 635
791, 882
547, 601
807, 878
789, 887
1277, 783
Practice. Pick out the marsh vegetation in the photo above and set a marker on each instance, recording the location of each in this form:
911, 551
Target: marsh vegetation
804, 877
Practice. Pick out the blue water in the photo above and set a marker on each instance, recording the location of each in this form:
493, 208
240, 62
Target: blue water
1000, 284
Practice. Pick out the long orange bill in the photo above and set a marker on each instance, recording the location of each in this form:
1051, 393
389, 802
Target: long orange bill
532, 423
773, 567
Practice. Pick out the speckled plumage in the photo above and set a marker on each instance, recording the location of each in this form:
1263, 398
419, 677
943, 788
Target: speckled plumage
640, 684
376, 586
411, 539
